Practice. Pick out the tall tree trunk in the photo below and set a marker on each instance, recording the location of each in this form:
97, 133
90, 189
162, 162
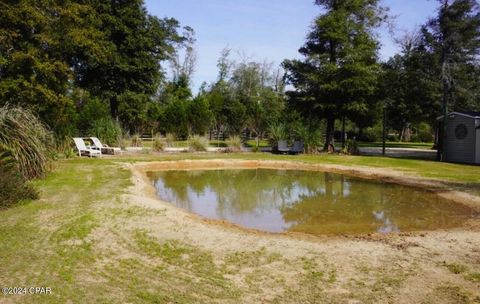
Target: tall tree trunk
330, 130
445, 117
114, 108
445, 89
384, 129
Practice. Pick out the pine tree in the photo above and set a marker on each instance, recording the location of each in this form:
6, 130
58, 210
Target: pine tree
454, 41
339, 74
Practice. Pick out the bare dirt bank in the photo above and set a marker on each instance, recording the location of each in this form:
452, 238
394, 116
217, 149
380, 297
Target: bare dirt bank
440, 266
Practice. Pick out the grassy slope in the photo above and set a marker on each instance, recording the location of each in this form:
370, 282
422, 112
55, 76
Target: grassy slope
55, 241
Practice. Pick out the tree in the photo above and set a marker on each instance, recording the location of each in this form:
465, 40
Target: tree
199, 115
131, 73
339, 74
57, 55
253, 86
174, 100
453, 37
184, 67
40, 43
408, 86
219, 93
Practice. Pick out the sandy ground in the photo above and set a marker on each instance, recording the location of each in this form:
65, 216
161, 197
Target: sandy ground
418, 267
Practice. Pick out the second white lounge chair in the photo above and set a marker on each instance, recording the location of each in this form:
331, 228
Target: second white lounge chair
83, 150
104, 148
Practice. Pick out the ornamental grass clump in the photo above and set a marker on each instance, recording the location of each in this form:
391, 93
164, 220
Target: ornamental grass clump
170, 139
158, 144
27, 139
136, 140
198, 144
234, 144
124, 141
14, 186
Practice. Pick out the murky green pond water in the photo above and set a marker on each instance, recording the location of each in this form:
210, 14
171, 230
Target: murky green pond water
306, 201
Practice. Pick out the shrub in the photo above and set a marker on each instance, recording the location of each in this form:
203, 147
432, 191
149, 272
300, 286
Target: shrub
392, 137
425, 136
136, 140
27, 139
107, 130
170, 139
310, 137
351, 147
69, 152
90, 110
277, 132
197, 143
14, 187
123, 141
371, 134
158, 144
146, 150
234, 143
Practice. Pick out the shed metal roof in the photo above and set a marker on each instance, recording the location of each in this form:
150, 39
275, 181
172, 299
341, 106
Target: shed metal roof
470, 114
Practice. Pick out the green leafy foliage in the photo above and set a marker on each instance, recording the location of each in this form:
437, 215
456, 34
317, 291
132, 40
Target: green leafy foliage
339, 74
351, 147
311, 137
106, 129
452, 40
278, 132
79, 61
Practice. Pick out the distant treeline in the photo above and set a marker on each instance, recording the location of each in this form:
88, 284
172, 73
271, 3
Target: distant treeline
100, 67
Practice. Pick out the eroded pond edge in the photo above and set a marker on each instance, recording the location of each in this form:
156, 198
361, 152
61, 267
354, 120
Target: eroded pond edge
143, 186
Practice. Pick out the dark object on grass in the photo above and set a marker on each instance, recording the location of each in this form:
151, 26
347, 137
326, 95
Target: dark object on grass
297, 147
330, 149
282, 147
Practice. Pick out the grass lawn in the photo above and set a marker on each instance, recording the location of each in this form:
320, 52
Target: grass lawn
184, 143
253, 143
265, 144
213, 143
83, 239
392, 144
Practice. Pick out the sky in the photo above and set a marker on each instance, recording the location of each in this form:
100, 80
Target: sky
271, 30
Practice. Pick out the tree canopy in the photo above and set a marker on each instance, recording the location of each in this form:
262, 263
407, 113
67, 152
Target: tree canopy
338, 76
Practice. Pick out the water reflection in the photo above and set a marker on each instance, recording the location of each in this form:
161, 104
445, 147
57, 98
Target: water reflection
311, 202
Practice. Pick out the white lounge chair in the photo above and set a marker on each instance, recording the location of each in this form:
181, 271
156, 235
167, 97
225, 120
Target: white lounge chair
83, 150
104, 148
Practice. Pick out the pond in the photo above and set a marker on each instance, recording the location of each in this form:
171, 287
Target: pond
306, 201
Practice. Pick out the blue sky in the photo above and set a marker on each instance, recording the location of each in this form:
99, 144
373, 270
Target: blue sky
266, 29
